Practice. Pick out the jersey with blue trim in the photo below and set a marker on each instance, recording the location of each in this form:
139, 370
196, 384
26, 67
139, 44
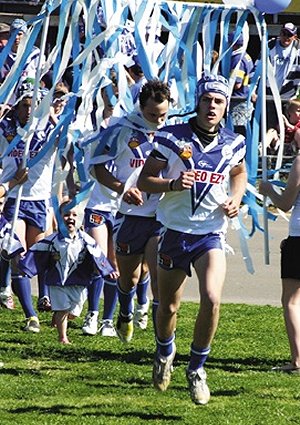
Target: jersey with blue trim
66, 261
128, 144
28, 72
286, 67
101, 198
13, 246
39, 183
197, 210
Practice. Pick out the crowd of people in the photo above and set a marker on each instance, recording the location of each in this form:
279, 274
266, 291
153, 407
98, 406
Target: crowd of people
163, 191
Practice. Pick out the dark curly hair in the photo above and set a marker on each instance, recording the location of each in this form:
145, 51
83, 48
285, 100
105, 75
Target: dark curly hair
156, 90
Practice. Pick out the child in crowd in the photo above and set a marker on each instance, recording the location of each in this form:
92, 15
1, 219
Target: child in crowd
291, 121
69, 260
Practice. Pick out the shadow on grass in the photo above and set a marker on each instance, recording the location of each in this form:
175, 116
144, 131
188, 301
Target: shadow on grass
93, 410
236, 365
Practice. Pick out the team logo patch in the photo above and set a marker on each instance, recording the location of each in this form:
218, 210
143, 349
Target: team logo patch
165, 261
133, 143
186, 152
96, 218
185, 149
227, 152
10, 137
123, 248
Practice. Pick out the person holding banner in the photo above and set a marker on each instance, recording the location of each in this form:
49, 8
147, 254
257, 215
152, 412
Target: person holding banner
200, 166
290, 270
127, 143
35, 210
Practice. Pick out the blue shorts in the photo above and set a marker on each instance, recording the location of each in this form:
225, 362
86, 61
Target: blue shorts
34, 213
95, 218
179, 250
133, 232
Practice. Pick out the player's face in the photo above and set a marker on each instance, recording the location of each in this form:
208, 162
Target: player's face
23, 110
58, 104
154, 112
17, 41
70, 218
210, 111
286, 38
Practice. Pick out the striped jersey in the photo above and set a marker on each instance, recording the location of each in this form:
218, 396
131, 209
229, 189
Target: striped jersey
66, 261
197, 210
39, 183
128, 144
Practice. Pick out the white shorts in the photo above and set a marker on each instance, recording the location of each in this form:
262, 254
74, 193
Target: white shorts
68, 298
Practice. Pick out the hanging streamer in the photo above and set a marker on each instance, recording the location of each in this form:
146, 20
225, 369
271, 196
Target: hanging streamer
193, 29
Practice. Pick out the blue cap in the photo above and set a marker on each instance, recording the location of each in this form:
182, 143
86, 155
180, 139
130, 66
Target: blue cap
18, 24
212, 84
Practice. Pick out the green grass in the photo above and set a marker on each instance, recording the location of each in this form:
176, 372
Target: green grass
98, 380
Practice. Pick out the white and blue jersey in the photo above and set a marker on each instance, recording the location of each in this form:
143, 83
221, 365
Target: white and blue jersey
198, 210
28, 72
65, 261
128, 144
39, 183
15, 245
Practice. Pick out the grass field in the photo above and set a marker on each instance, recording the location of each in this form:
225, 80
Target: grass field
98, 380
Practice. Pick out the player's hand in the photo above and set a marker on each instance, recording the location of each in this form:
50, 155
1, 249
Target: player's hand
133, 196
230, 208
20, 177
184, 181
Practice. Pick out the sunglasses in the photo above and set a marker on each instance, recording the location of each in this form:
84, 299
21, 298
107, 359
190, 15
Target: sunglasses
287, 34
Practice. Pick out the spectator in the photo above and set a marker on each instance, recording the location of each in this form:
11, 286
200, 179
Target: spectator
4, 34
284, 55
291, 120
241, 69
290, 270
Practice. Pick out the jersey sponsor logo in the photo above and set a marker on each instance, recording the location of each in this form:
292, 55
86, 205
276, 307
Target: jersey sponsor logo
165, 260
18, 153
204, 176
96, 218
136, 162
204, 164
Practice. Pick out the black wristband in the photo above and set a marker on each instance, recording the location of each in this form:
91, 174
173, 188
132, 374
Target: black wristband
172, 184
